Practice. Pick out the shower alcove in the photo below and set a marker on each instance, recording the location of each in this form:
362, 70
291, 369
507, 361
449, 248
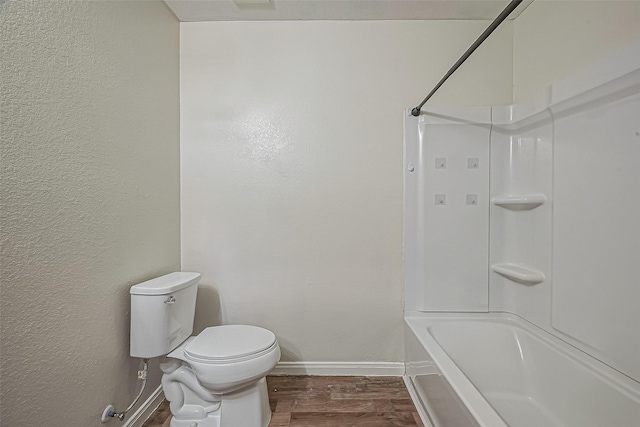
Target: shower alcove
521, 239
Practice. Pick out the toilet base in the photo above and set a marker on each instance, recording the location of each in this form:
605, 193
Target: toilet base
213, 420
247, 407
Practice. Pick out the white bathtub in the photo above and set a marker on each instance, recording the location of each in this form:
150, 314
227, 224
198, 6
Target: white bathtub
507, 372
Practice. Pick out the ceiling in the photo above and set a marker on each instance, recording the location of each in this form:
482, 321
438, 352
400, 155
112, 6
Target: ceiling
283, 10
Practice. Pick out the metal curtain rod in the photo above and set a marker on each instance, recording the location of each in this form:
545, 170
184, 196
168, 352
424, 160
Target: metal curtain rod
496, 22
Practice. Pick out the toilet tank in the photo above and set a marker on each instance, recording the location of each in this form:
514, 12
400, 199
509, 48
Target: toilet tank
162, 311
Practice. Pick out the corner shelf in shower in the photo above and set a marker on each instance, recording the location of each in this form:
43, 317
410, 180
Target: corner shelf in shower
518, 273
520, 202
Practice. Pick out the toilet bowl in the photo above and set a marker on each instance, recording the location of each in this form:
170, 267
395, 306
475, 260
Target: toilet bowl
213, 379
230, 363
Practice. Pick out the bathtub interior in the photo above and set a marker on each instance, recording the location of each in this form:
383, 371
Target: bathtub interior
528, 377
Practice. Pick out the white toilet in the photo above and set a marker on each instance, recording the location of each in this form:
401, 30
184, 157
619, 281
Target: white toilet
214, 379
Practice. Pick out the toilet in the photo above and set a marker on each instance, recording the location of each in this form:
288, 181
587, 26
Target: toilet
213, 379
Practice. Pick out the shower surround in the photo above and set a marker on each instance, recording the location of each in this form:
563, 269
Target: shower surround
526, 216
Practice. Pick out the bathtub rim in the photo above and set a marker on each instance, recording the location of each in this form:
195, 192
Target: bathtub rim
419, 322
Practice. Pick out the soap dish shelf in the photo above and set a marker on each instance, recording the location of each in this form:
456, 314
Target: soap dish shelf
522, 202
519, 273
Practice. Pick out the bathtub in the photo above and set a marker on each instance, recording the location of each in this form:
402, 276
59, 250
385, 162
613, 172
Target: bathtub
497, 370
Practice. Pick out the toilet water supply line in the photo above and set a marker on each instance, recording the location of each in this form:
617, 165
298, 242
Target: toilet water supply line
142, 375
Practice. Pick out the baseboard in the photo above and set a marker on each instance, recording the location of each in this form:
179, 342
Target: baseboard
367, 369
146, 409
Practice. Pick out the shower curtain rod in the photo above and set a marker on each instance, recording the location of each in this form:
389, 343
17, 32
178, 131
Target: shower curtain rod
496, 22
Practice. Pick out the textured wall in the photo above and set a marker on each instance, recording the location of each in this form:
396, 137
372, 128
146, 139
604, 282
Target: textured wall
90, 198
291, 140
553, 39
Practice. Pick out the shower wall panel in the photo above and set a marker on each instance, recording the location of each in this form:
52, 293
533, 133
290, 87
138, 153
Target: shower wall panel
596, 239
520, 229
447, 214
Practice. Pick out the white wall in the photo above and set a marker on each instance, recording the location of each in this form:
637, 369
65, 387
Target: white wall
291, 138
553, 39
90, 198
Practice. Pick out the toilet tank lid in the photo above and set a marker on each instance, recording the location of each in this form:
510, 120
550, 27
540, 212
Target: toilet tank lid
166, 284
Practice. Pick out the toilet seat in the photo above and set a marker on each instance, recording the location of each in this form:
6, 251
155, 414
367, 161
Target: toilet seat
225, 359
229, 343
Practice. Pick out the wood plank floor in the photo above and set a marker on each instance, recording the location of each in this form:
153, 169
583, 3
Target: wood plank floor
313, 401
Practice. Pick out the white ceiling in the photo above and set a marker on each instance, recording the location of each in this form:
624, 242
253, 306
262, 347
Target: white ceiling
280, 10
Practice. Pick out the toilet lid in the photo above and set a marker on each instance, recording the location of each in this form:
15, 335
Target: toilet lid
229, 342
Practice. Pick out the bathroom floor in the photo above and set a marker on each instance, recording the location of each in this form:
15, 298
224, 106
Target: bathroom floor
305, 401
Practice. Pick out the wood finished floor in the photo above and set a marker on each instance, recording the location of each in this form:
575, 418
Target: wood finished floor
312, 401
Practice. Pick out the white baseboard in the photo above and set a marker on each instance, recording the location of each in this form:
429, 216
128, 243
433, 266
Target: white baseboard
146, 409
367, 369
